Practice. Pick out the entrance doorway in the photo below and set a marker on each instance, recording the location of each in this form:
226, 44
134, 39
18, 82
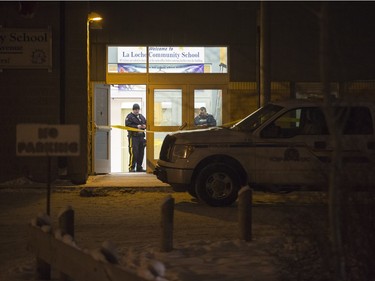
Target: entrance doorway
167, 108
175, 80
174, 107
122, 99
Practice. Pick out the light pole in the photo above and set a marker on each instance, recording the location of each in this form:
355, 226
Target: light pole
92, 17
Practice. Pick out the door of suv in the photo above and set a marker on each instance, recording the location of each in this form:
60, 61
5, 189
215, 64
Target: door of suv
294, 149
358, 144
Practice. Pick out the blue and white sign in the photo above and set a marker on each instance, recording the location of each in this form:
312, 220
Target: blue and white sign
160, 55
167, 59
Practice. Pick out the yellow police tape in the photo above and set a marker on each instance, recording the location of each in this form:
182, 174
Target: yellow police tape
147, 131
131, 129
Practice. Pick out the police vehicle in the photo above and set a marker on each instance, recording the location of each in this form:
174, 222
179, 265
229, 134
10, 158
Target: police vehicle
283, 146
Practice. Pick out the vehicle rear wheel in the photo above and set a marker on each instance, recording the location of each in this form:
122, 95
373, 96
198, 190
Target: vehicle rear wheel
217, 185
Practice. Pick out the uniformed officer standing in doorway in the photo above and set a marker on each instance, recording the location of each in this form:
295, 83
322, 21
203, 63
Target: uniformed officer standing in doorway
137, 141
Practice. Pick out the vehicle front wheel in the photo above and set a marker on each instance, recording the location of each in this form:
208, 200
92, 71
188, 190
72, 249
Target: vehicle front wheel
217, 185
191, 191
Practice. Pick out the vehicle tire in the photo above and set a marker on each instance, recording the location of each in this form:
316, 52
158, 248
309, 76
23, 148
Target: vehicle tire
183, 187
191, 191
217, 185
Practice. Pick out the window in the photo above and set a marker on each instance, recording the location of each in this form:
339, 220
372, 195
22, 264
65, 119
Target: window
167, 59
299, 121
313, 122
257, 118
358, 122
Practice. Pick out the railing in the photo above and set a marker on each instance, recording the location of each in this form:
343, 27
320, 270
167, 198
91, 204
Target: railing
74, 262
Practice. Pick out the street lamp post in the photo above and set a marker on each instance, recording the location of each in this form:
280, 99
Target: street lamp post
92, 17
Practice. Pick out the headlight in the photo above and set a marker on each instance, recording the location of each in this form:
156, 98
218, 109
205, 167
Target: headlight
181, 151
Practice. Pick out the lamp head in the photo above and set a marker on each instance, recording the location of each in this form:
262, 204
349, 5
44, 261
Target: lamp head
94, 17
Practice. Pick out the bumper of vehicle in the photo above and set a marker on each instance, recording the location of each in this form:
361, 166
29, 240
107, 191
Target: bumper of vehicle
172, 176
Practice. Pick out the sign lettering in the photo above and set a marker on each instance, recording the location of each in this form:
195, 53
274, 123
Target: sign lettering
47, 140
20, 48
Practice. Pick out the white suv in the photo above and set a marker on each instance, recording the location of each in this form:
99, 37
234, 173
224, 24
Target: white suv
281, 146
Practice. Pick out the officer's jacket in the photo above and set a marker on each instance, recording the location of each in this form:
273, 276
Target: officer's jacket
207, 120
133, 121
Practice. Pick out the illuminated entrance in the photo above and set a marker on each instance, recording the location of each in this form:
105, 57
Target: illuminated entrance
170, 84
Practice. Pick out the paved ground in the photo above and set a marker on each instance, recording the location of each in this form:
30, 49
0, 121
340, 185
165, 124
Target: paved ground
125, 209
108, 180
125, 180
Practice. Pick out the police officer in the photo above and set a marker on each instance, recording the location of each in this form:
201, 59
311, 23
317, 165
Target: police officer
204, 119
136, 138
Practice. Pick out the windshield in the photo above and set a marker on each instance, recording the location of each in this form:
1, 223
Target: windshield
257, 118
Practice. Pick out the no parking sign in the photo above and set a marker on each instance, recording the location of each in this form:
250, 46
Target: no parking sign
47, 140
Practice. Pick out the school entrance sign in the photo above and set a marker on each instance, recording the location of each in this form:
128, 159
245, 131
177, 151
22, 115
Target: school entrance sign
25, 48
47, 140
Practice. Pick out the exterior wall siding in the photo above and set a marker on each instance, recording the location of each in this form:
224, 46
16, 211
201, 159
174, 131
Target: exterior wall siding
34, 96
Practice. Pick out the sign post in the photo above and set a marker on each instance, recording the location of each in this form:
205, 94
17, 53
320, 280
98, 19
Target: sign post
47, 141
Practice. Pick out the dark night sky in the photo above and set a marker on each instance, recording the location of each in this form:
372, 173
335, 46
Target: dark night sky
295, 31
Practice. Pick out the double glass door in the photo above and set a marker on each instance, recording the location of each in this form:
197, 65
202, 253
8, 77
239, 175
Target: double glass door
174, 107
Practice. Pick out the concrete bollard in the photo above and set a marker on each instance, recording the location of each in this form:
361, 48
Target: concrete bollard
245, 197
43, 269
167, 209
66, 224
66, 221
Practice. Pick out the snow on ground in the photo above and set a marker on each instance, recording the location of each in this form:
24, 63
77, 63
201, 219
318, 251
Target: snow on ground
205, 260
190, 260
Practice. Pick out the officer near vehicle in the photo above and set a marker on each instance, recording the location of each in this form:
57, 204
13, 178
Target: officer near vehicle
204, 119
136, 138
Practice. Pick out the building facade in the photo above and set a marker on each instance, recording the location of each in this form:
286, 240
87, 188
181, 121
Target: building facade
53, 87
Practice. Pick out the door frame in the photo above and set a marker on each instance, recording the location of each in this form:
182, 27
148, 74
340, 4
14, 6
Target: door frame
151, 128
104, 165
121, 104
225, 109
187, 110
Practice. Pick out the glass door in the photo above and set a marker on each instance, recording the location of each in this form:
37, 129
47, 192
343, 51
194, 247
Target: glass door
166, 111
214, 102
174, 107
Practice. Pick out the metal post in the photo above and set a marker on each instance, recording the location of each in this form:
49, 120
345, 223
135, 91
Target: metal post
264, 60
66, 224
244, 213
48, 186
167, 210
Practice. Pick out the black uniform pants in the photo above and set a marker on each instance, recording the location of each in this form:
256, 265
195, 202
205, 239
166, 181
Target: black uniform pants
136, 152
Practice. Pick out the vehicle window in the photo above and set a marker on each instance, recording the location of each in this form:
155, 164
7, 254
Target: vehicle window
313, 122
299, 121
359, 122
289, 123
257, 118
